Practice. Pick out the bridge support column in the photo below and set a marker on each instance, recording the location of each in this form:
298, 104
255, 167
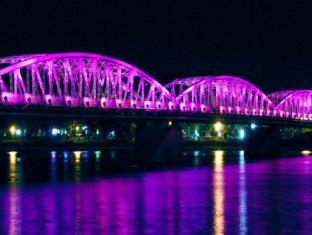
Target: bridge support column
158, 144
263, 142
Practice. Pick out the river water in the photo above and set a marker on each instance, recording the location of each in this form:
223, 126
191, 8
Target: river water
105, 192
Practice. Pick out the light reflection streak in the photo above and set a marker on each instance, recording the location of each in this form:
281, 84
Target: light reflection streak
77, 155
85, 156
97, 163
53, 166
196, 158
65, 155
242, 195
15, 176
15, 172
218, 193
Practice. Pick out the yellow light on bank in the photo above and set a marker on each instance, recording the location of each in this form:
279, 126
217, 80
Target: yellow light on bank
306, 152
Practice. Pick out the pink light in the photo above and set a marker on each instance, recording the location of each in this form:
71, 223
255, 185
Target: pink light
147, 104
182, 106
221, 109
284, 101
193, 107
170, 105
203, 108
133, 104
158, 105
118, 103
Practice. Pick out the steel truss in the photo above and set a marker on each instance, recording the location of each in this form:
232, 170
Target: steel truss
96, 81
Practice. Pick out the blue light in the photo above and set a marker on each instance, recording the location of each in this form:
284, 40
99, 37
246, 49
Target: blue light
53, 156
242, 134
54, 131
18, 132
253, 126
241, 157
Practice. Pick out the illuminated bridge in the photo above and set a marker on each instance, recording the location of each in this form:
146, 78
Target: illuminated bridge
95, 82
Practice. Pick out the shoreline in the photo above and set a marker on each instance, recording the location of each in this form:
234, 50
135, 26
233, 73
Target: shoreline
126, 146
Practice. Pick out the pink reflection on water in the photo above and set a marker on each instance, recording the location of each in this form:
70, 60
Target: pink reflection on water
218, 193
15, 208
242, 195
15, 219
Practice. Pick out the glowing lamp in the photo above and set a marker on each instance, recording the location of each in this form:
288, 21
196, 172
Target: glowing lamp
218, 126
54, 131
18, 132
242, 134
306, 152
182, 106
12, 130
170, 105
147, 104
221, 109
192, 106
103, 102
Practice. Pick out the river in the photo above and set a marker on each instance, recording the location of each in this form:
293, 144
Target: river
106, 192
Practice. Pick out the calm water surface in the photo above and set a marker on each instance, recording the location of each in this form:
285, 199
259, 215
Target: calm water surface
104, 192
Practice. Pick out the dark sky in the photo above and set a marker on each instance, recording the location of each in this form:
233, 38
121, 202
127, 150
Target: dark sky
267, 42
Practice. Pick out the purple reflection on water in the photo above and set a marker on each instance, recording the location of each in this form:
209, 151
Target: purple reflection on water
264, 197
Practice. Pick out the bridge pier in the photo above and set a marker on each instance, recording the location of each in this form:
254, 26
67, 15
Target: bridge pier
263, 142
158, 144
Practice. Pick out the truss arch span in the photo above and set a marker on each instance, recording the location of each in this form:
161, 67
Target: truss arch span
179, 85
225, 94
79, 79
293, 103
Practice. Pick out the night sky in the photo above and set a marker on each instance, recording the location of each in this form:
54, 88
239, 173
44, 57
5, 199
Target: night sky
267, 42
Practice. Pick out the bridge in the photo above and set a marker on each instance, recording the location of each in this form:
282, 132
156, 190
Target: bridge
91, 82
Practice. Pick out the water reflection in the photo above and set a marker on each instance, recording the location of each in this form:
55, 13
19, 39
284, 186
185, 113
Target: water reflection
15, 176
242, 195
97, 163
218, 193
53, 166
272, 196
85, 156
196, 158
77, 155
65, 165
15, 169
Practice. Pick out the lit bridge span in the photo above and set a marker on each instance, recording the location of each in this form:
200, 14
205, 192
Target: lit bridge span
91, 81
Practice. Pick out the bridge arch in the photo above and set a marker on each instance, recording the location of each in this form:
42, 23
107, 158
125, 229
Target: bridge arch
177, 86
293, 103
79, 79
225, 94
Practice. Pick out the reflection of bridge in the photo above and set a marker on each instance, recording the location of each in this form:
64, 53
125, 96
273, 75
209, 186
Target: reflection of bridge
94, 81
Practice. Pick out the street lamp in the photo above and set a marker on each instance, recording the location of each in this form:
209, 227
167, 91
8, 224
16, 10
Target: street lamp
218, 127
12, 130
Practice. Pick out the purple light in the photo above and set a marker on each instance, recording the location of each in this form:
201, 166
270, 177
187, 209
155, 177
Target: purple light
91, 80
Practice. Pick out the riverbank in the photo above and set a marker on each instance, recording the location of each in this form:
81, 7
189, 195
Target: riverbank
204, 145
